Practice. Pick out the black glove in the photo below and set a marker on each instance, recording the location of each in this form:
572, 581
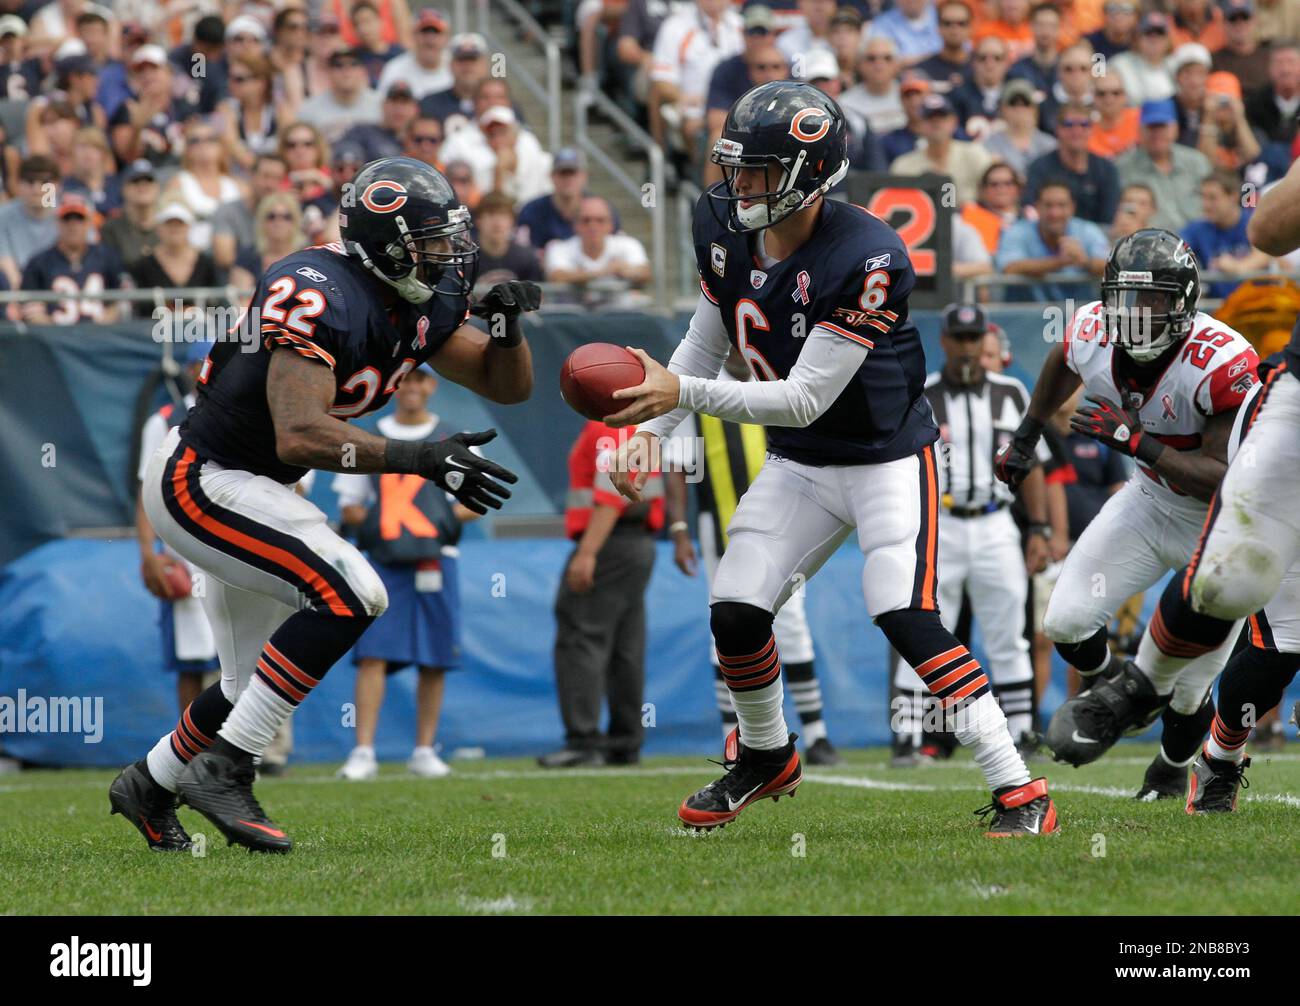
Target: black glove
509, 300
451, 465
1015, 459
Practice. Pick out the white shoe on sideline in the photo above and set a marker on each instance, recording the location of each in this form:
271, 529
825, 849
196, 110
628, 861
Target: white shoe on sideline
361, 765
426, 764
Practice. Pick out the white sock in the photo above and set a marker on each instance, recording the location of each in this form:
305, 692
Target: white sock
1159, 668
982, 727
420, 749
814, 731
762, 717
163, 764
258, 714
1019, 724
364, 750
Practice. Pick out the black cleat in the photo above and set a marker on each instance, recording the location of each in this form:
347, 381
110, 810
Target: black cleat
1089, 725
1163, 781
1215, 784
905, 754
218, 783
751, 776
149, 807
822, 752
1021, 810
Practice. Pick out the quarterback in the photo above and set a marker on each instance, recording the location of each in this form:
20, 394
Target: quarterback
813, 294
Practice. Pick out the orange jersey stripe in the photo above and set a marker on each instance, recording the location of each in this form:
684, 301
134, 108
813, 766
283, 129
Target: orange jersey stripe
934, 663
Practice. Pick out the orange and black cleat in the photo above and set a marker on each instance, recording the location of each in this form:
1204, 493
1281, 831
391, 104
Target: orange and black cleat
1021, 810
1215, 785
751, 776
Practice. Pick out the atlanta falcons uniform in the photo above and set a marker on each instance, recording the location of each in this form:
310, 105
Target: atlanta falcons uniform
1150, 526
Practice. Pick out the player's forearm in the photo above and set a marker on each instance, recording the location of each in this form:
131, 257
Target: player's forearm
330, 445
701, 353
509, 371
144, 532
1275, 225
675, 497
599, 528
1058, 507
825, 366
1198, 475
1056, 383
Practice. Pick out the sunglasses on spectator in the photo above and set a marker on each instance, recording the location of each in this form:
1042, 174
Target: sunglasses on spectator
1240, 16
878, 57
1076, 123
1119, 8
427, 138
985, 57
304, 142
294, 26
999, 183
279, 216
201, 138
460, 179
1109, 92
946, 22
430, 30
245, 38
1076, 68
757, 31
1019, 99
593, 220
243, 79
773, 67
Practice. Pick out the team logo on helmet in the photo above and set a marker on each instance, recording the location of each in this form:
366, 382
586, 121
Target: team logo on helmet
398, 200
804, 128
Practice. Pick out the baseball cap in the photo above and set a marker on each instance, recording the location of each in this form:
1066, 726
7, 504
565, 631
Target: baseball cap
1237, 8
433, 18
74, 64
1224, 83
348, 153
245, 24
154, 55
848, 16
820, 64
346, 55
74, 205
12, 24
916, 84
399, 90
933, 105
174, 211
759, 17
1188, 53
961, 319
468, 45
1153, 23
569, 159
502, 115
1019, 88
138, 169
1159, 113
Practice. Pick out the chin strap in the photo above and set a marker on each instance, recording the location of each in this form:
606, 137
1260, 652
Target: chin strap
408, 287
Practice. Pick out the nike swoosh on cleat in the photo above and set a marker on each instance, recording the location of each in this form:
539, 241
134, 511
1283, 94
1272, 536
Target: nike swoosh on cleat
1079, 739
155, 836
261, 827
734, 804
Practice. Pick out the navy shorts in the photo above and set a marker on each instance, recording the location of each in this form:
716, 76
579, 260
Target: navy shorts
420, 627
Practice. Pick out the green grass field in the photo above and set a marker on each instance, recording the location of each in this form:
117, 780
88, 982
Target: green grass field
502, 837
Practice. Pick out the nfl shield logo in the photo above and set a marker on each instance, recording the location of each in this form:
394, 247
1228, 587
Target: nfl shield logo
757, 279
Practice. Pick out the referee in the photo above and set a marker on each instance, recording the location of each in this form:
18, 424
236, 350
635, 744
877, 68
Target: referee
980, 547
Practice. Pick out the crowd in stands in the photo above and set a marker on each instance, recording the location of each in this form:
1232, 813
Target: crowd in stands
1062, 124
165, 144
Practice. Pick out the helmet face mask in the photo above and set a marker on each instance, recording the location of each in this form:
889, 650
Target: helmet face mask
1149, 292
408, 228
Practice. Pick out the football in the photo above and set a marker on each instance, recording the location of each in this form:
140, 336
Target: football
591, 375
178, 581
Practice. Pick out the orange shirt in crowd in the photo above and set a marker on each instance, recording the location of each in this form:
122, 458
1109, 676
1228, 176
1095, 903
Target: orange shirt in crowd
1212, 36
1019, 38
1117, 139
988, 223
349, 34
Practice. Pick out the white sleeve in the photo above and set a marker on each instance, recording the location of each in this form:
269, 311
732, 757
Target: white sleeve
701, 353
665, 65
825, 366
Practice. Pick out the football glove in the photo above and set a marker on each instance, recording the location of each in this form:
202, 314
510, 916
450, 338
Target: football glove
1118, 428
1015, 459
451, 465
508, 300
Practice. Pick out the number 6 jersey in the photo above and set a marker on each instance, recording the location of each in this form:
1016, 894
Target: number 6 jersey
1210, 372
324, 305
851, 278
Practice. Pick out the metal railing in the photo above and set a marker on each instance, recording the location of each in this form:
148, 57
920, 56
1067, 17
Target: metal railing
688, 195
970, 287
584, 100
552, 90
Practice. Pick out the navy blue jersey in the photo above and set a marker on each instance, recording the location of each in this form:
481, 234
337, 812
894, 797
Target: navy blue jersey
100, 269
851, 278
325, 305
